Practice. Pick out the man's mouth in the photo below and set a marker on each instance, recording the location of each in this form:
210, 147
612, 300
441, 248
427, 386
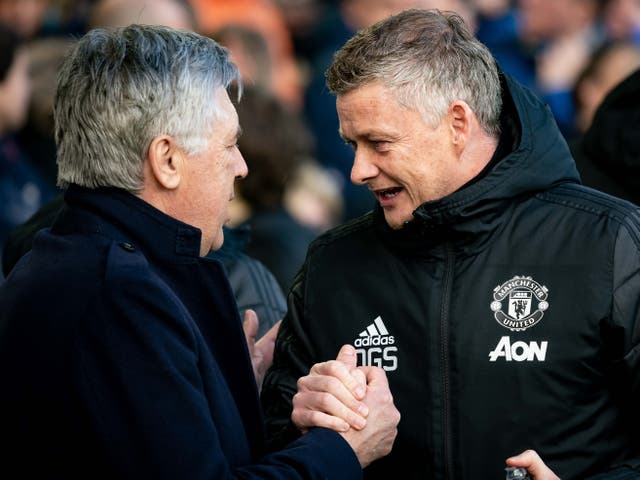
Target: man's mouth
388, 193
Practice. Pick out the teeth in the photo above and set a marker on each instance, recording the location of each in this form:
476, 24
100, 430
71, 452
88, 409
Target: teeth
392, 192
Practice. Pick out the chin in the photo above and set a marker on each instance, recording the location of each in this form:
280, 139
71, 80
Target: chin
394, 222
217, 241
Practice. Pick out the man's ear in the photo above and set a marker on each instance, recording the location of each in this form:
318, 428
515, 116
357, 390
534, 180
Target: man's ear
166, 161
460, 116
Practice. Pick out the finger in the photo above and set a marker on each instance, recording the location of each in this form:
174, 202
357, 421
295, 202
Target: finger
317, 409
304, 420
267, 344
336, 389
347, 355
338, 369
361, 378
272, 333
530, 460
375, 376
250, 325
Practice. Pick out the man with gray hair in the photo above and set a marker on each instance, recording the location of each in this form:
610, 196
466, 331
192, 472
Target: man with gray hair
499, 294
122, 354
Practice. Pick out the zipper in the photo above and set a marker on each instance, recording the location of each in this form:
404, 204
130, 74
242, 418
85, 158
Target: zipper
444, 352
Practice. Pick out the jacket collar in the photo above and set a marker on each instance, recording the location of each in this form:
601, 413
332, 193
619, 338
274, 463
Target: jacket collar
124, 217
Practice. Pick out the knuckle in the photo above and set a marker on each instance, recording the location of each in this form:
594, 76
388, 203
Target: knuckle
301, 383
313, 418
315, 369
300, 419
334, 368
297, 399
325, 399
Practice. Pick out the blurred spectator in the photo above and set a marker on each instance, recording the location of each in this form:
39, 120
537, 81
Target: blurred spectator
566, 33
66, 18
176, 14
274, 142
22, 189
313, 197
25, 17
608, 66
249, 51
303, 18
36, 137
622, 19
264, 17
499, 30
608, 155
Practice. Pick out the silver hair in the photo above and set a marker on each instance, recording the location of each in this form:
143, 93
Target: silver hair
428, 59
119, 89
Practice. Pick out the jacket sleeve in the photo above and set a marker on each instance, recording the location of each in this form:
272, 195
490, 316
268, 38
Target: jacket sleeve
622, 336
625, 351
139, 374
292, 359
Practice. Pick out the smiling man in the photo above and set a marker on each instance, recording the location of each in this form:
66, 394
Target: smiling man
499, 294
122, 354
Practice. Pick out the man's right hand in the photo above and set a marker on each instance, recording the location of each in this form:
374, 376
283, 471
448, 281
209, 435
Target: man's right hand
376, 439
354, 401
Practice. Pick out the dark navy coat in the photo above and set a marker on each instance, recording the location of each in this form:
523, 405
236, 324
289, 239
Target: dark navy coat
122, 356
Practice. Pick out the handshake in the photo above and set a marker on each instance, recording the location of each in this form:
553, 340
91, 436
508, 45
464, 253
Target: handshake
354, 401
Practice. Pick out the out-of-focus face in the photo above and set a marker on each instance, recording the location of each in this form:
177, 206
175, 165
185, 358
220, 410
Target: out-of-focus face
24, 16
622, 18
207, 186
543, 19
403, 160
15, 92
362, 13
617, 64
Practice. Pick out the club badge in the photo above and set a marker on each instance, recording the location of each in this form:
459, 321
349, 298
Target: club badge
519, 303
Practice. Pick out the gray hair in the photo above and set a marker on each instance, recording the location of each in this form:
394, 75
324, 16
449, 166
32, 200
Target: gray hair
428, 59
119, 89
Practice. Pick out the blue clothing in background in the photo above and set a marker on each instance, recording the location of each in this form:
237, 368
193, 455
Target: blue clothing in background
22, 189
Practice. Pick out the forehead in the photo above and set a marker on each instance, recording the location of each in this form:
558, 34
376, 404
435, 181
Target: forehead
369, 97
227, 117
370, 104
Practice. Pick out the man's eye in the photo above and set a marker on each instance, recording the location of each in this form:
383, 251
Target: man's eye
351, 143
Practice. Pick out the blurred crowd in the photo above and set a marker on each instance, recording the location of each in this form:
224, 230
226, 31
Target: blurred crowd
572, 53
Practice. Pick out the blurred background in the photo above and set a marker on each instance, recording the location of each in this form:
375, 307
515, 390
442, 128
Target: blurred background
571, 53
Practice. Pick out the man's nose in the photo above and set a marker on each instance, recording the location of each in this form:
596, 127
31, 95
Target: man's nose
363, 168
242, 169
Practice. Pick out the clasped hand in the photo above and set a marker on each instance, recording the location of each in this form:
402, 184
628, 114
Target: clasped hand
354, 401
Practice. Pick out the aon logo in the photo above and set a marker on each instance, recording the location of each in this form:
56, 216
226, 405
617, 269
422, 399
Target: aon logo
519, 351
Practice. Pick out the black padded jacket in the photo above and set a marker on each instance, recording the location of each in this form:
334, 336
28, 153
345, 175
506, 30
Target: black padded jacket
506, 316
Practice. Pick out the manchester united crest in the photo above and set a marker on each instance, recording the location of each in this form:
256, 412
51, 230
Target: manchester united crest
519, 303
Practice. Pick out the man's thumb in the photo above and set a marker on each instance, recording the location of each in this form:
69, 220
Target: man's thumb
250, 325
347, 355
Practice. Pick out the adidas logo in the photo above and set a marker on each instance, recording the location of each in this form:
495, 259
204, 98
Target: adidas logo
374, 334
375, 347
